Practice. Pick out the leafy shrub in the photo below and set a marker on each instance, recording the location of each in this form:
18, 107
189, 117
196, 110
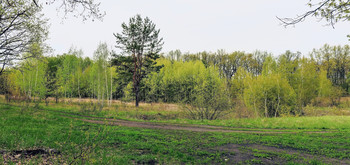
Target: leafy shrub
210, 99
269, 95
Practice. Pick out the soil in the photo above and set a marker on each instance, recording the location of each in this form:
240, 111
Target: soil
242, 152
48, 156
233, 153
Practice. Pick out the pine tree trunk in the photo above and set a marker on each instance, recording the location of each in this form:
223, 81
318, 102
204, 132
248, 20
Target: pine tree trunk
56, 97
137, 96
135, 81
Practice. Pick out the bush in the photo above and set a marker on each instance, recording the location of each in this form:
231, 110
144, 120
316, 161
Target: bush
210, 99
328, 95
269, 95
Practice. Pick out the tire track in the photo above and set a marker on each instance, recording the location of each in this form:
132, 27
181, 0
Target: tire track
187, 127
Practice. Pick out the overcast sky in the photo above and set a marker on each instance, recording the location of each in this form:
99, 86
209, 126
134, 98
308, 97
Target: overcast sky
201, 25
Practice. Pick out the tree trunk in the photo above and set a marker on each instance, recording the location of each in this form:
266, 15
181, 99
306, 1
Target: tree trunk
46, 101
134, 78
137, 95
36, 80
266, 111
111, 96
106, 82
56, 98
98, 88
65, 93
79, 87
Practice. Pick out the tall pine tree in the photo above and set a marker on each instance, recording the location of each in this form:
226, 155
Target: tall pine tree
140, 45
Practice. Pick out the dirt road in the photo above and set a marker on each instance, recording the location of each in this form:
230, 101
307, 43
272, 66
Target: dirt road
186, 127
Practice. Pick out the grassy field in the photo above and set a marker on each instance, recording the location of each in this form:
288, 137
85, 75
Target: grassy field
55, 134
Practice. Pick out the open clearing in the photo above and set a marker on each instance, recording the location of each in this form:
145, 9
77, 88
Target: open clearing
58, 135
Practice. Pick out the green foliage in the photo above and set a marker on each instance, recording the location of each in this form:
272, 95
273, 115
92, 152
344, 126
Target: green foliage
334, 60
30, 81
270, 93
128, 93
180, 79
22, 29
305, 82
101, 76
177, 81
208, 84
327, 91
237, 83
201, 90
210, 98
13, 83
52, 85
3, 84
325, 88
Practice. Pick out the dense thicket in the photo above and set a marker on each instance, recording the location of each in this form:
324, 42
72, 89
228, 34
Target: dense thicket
206, 84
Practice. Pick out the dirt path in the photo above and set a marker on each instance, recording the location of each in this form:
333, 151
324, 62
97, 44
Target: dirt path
186, 127
245, 152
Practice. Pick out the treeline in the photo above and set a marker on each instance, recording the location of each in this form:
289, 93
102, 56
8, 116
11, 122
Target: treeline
268, 85
63, 76
209, 82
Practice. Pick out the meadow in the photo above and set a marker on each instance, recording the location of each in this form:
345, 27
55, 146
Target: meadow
132, 103
159, 133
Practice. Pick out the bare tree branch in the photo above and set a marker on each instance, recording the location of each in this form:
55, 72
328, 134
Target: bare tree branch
21, 25
332, 11
87, 9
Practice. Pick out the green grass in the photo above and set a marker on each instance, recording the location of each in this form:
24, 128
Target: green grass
157, 115
324, 122
79, 142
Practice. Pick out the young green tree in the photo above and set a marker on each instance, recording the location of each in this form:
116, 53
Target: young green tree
304, 81
237, 83
77, 72
13, 83
269, 94
210, 98
52, 85
326, 91
140, 41
101, 68
334, 60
